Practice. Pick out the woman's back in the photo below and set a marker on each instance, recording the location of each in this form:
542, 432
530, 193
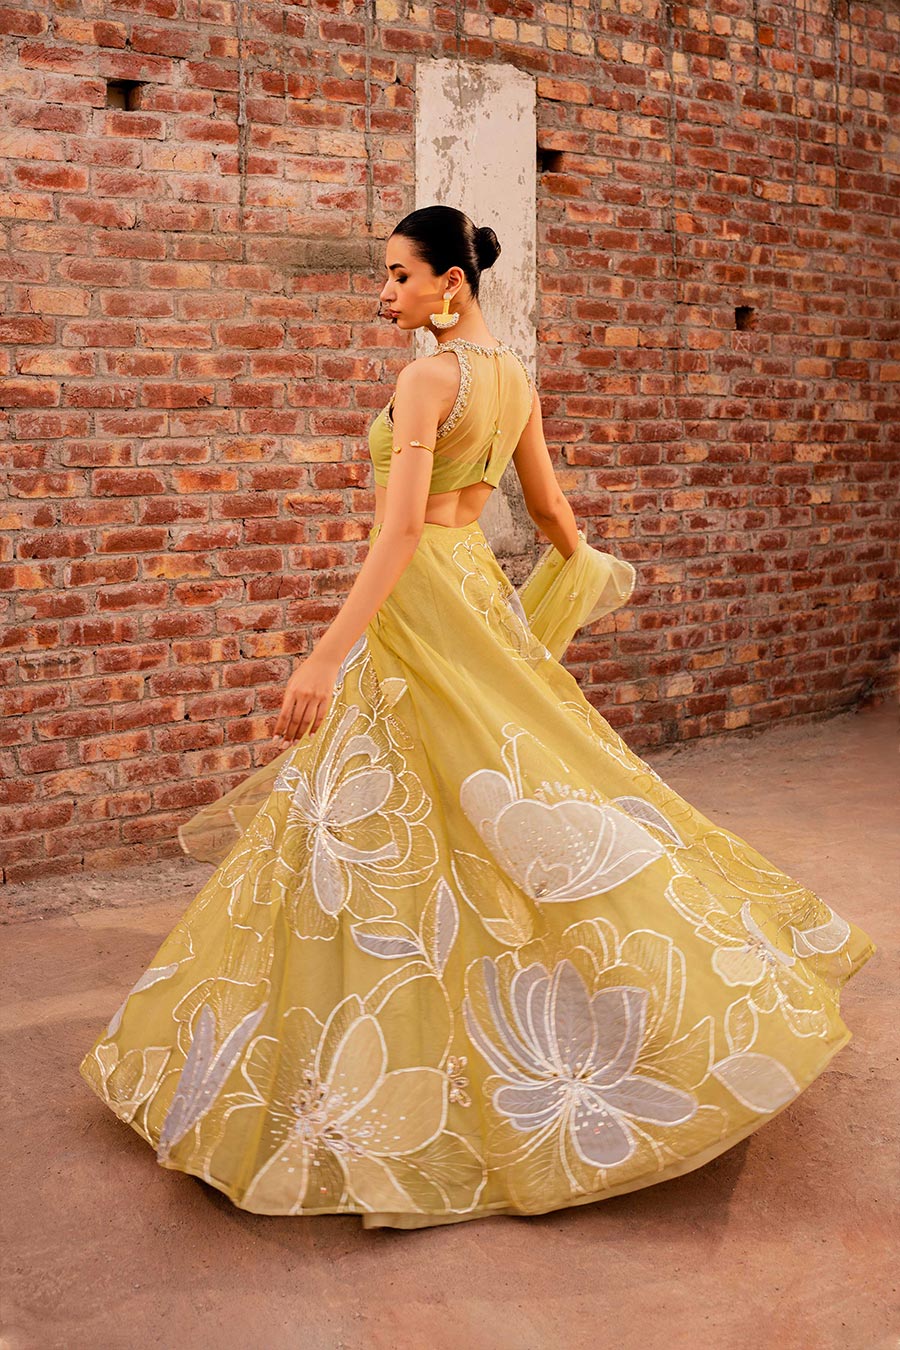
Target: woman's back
477, 438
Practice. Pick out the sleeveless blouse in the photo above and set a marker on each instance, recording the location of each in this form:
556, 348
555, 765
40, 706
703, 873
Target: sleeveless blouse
478, 437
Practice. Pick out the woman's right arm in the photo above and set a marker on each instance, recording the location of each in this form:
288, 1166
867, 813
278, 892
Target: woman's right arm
544, 499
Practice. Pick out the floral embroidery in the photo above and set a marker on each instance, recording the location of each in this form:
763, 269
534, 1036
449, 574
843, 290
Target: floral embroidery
573, 1066
344, 1129
204, 1072
769, 933
591, 1070
126, 1079
147, 981
458, 1081
355, 826
554, 851
469, 953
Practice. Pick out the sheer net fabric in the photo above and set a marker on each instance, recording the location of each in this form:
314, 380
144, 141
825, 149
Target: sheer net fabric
470, 955
558, 597
477, 438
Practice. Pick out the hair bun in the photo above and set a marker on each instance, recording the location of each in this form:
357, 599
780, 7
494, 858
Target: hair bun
487, 246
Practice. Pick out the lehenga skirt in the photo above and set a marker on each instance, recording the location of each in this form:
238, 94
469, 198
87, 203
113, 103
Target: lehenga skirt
467, 953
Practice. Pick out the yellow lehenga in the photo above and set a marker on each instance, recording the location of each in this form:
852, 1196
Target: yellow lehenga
464, 952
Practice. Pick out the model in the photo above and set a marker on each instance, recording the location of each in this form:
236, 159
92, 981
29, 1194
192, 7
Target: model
465, 953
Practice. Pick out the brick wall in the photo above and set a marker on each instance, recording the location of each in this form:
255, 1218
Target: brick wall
189, 341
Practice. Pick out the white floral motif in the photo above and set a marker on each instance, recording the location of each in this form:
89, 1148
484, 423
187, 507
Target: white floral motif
640, 809
354, 825
759, 1082
567, 1060
204, 1072
391, 940
149, 978
496, 600
821, 938
608, 739
563, 851
128, 1081
180, 945
749, 962
458, 1080
337, 797
347, 1128
514, 601
523, 638
741, 905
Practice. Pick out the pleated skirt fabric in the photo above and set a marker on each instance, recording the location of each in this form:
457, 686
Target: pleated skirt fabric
470, 955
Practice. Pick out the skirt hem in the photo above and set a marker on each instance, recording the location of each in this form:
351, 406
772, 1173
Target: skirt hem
411, 1220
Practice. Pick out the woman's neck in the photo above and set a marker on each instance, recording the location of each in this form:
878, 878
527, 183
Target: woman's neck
476, 333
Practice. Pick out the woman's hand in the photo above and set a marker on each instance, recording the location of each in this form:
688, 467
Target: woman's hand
307, 699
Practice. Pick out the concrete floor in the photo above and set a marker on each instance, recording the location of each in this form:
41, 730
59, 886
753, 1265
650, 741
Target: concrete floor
789, 1239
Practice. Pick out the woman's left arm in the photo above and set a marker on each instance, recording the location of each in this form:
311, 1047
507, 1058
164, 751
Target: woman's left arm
310, 689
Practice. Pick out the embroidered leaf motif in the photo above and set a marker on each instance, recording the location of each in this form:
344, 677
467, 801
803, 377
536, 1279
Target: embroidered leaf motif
147, 980
827, 937
387, 939
741, 1023
440, 924
648, 814
758, 1081
203, 1074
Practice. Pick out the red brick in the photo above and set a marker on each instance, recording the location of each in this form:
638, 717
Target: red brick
249, 335
161, 41
100, 212
58, 177
135, 125
97, 333
133, 657
189, 371
103, 571
127, 482
56, 545
139, 596
29, 393
140, 540
177, 395
25, 328
17, 23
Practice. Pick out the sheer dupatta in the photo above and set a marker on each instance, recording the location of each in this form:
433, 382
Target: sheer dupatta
559, 596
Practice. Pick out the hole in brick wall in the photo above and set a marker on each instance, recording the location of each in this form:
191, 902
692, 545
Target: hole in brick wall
549, 161
744, 317
124, 94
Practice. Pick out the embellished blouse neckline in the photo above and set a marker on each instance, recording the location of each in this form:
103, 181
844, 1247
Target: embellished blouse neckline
473, 346
461, 346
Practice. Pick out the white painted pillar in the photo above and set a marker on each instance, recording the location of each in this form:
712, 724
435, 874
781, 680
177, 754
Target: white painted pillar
476, 139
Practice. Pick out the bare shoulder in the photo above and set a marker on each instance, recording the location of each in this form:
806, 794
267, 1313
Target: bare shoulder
434, 368
435, 376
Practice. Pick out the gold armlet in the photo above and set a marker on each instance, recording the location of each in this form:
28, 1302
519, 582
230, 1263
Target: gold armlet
398, 448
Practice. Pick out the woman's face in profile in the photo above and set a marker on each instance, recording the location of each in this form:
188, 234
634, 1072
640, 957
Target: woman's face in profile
411, 292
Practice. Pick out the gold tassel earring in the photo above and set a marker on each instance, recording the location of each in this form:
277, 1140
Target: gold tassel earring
445, 319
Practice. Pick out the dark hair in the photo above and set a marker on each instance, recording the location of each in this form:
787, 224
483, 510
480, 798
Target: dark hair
445, 238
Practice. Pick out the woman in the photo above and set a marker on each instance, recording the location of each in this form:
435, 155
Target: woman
464, 952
